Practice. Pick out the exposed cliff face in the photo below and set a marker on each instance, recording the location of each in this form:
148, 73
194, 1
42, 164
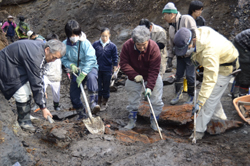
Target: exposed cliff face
13, 2
45, 16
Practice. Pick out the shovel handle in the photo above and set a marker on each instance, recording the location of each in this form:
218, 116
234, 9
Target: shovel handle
50, 119
152, 111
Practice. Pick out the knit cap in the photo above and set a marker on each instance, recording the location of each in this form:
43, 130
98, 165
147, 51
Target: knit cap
170, 8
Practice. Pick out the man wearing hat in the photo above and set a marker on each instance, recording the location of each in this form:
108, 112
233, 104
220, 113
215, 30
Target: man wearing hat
218, 56
9, 29
177, 21
22, 29
33, 36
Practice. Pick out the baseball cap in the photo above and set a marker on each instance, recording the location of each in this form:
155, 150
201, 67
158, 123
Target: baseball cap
182, 40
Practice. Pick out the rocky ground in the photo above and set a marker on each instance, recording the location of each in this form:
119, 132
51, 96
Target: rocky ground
68, 142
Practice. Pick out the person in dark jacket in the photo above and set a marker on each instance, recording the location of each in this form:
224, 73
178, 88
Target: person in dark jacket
140, 61
9, 29
106, 54
21, 72
242, 43
195, 10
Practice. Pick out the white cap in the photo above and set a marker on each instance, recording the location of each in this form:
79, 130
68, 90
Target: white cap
10, 16
29, 33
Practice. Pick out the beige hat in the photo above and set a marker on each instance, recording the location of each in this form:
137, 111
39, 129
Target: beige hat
29, 33
10, 16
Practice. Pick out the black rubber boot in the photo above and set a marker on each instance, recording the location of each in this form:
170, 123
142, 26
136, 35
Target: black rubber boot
23, 111
57, 106
81, 113
178, 90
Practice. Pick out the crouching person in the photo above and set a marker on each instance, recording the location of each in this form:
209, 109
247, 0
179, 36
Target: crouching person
22, 65
140, 61
218, 56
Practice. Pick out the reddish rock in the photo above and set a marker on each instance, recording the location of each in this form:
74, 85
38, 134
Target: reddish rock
179, 114
131, 137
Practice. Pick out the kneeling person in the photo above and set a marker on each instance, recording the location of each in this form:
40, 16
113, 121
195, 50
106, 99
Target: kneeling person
141, 60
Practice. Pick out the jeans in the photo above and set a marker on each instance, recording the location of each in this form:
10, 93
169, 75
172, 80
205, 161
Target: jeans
75, 92
104, 78
185, 64
134, 95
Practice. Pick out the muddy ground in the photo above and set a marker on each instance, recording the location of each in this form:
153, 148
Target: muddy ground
83, 148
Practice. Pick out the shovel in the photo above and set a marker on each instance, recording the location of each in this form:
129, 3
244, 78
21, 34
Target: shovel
112, 87
152, 111
94, 124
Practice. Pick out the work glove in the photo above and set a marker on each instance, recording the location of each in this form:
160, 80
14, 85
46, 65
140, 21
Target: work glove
148, 92
73, 68
196, 108
189, 52
80, 78
114, 76
169, 62
138, 78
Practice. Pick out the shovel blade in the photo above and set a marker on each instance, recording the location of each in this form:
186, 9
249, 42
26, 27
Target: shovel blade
94, 125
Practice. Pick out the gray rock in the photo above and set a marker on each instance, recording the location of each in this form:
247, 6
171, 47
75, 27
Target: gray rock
59, 133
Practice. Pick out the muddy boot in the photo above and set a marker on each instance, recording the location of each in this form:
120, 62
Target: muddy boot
132, 120
57, 106
93, 98
104, 104
81, 113
178, 96
99, 101
23, 111
153, 124
199, 135
189, 100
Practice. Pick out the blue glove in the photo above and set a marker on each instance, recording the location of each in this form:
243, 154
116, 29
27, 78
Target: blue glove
148, 92
196, 108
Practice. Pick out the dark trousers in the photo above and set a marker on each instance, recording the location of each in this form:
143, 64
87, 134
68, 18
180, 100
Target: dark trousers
92, 86
10, 39
185, 64
104, 78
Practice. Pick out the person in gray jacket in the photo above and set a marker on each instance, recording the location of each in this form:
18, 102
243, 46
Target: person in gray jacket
22, 66
184, 63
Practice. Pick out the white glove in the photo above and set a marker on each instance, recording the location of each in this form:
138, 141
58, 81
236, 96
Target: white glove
138, 78
114, 76
189, 52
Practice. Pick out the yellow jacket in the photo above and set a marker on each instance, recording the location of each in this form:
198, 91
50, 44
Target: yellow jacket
212, 49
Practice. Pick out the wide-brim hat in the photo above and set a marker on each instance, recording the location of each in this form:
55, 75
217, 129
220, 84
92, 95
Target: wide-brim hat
10, 17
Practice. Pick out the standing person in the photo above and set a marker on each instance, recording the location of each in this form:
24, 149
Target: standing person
140, 61
106, 53
195, 10
22, 29
242, 43
158, 34
9, 29
33, 36
177, 21
22, 65
77, 43
218, 56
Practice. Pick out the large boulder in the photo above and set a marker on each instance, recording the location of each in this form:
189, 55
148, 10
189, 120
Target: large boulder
11, 148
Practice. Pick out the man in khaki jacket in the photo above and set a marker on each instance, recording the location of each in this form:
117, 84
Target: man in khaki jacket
177, 21
158, 34
218, 56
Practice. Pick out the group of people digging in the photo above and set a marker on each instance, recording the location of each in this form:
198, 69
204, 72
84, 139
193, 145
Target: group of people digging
142, 59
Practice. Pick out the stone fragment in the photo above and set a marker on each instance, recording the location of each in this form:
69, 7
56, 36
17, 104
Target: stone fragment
59, 133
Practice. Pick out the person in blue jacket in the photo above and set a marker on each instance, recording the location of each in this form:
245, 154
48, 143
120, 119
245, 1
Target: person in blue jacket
107, 57
87, 70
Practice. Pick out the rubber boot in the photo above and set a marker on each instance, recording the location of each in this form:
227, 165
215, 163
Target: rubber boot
153, 124
81, 113
23, 111
104, 105
189, 100
199, 135
132, 120
178, 96
57, 106
93, 98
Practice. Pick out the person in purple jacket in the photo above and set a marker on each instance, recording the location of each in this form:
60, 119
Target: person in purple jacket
107, 57
9, 29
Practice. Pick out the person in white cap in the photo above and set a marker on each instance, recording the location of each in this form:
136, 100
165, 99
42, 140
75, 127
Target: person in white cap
219, 57
33, 36
9, 29
177, 21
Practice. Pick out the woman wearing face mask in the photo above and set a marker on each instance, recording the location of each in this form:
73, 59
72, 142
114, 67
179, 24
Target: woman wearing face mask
106, 53
87, 70
195, 10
